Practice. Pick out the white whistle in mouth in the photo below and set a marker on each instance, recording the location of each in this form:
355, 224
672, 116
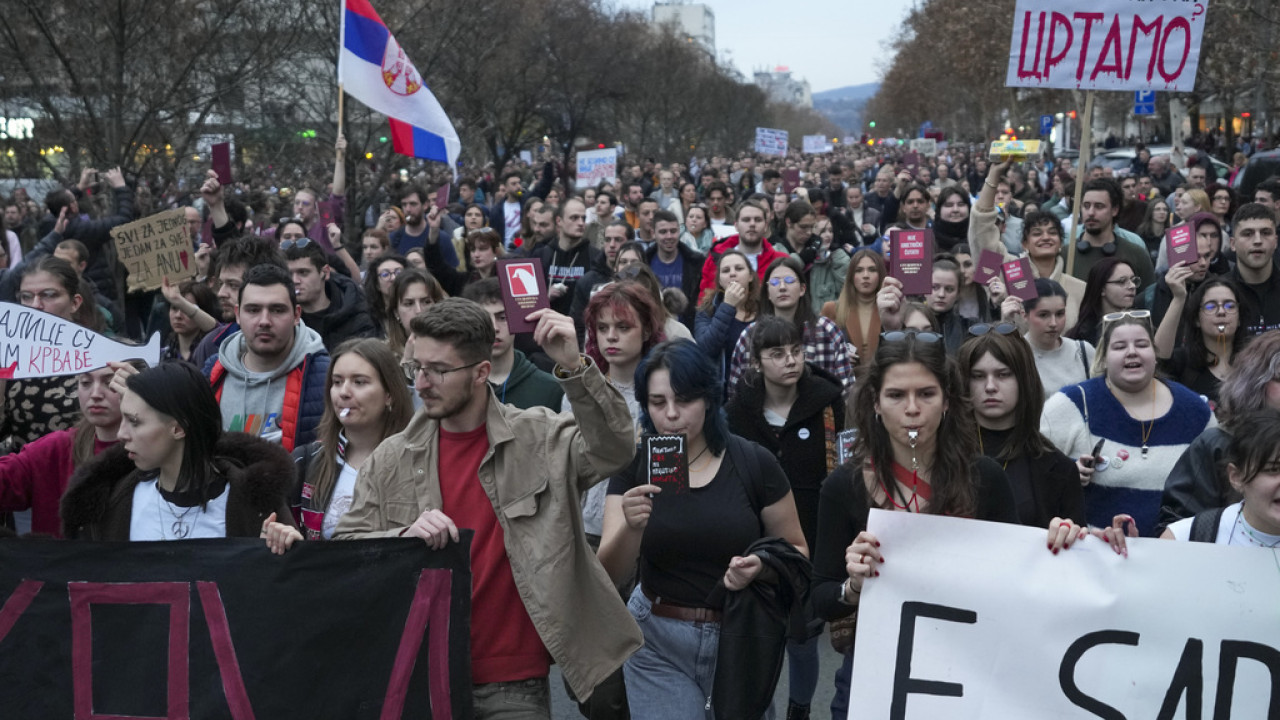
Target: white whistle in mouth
1222, 329
345, 412
913, 434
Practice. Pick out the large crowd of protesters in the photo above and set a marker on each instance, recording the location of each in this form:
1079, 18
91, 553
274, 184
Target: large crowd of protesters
328, 376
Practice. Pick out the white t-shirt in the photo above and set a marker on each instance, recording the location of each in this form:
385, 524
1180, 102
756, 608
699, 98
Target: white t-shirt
340, 502
1232, 530
155, 518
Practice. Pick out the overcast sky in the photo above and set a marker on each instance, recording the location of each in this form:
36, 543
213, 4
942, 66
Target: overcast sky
830, 43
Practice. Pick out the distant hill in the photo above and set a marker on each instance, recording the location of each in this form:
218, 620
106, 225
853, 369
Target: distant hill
849, 92
843, 106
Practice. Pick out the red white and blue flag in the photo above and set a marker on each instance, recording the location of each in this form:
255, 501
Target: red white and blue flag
373, 69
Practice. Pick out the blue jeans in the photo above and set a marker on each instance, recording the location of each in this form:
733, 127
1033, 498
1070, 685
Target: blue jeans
802, 664
844, 676
670, 677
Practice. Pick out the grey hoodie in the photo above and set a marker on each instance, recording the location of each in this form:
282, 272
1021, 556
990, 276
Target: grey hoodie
252, 401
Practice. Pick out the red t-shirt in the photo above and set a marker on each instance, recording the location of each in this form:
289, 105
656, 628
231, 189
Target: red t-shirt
504, 644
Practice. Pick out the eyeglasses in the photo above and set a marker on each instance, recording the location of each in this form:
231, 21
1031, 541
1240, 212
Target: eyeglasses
388, 274
777, 282
1135, 314
1134, 281
434, 376
923, 336
1214, 306
292, 243
781, 355
1000, 329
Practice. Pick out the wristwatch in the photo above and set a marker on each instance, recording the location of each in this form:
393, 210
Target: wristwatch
563, 374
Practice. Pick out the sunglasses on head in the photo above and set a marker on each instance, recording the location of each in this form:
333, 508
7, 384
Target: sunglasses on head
999, 328
924, 336
1135, 314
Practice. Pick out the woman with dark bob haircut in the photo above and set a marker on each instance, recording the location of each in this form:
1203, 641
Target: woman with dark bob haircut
175, 474
688, 543
915, 452
1007, 399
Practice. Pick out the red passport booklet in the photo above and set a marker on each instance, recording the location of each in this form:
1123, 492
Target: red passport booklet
911, 260
1181, 242
524, 290
988, 267
1018, 279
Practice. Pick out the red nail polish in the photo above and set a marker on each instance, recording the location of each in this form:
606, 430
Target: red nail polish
877, 543
1055, 551
877, 573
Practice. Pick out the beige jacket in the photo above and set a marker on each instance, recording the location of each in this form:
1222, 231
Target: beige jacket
985, 235
537, 468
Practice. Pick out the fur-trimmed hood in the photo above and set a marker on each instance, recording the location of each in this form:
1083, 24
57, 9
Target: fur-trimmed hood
99, 499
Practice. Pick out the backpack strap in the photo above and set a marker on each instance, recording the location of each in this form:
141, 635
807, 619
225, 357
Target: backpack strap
1204, 526
1084, 361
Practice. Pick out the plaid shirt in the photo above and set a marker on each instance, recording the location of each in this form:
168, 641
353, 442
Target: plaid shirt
824, 346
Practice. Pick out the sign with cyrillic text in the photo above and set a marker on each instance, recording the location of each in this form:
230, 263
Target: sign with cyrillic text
1106, 45
34, 344
154, 248
223, 628
596, 166
817, 145
972, 620
771, 142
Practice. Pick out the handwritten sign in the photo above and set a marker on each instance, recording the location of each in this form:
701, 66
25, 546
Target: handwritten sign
816, 144
668, 462
771, 142
37, 344
1117, 45
1086, 633
597, 166
154, 248
925, 146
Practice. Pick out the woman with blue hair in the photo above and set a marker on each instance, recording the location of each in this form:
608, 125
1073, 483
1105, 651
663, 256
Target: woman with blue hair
688, 543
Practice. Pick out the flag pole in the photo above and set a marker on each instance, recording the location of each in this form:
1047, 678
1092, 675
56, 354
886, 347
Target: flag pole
340, 96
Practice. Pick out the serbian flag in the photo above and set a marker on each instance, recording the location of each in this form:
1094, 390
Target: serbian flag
373, 69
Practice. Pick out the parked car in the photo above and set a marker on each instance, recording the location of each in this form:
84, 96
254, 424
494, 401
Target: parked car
1261, 166
1120, 160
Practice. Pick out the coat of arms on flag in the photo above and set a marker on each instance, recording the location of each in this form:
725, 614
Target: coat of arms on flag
398, 73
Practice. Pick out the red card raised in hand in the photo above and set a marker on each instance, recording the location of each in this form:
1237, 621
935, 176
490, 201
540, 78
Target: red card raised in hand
911, 260
988, 267
524, 290
1019, 280
1181, 243
668, 462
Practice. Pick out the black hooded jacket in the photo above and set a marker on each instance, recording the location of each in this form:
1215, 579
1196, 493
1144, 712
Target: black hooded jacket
347, 315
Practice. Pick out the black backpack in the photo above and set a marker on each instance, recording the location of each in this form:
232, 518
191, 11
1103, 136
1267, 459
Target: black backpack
1204, 526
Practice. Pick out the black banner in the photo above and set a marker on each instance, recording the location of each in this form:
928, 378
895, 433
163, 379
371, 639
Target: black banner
373, 629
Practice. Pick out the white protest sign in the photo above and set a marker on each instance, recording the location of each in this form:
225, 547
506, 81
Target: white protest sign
771, 142
1113, 45
975, 620
925, 146
154, 248
36, 344
596, 166
816, 144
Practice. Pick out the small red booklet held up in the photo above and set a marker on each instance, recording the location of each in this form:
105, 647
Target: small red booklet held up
1019, 280
911, 260
524, 290
988, 267
1181, 242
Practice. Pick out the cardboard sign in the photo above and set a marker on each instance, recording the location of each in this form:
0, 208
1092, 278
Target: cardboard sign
1086, 633
1088, 45
154, 248
790, 181
596, 166
771, 142
912, 260
668, 462
816, 144
213, 629
524, 290
844, 444
1181, 244
220, 161
989, 267
1019, 281
925, 146
37, 344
